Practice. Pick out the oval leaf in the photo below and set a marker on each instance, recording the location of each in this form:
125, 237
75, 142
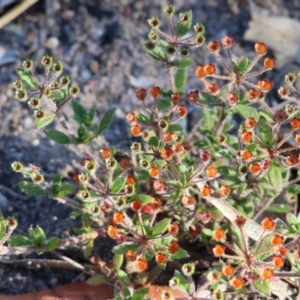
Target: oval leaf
40, 123
31, 188
106, 120
58, 137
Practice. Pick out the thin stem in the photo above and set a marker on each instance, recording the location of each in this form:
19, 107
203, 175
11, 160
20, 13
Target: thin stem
223, 63
171, 77
285, 139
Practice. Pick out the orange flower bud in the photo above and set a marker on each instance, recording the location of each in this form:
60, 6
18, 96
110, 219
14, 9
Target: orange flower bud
154, 171
136, 205
106, 207
131, 117
292, 160
246, 136
156, 204
245, 154
158, 186
213, 46
269, 63
130, 180
211, 171
295, 123
237, 282
130, 255
182, 110
167, 153
240, 221
178, 148
206, 191
227, 41
268, 223
224, 190
265, 85
218, 234
227, 270
155, 92
200, 71
260, 48
187, 200
136, 130
118, 217
168, 136
281, 251
112, 231
297, 139
173, 247
212, 88
219, 250
267, 273
210, 69
175, 98
232, 98
250, 122
141, 94
278, 261
142, 265
173, 228
161, 258
105, 153
254, 168
253, 94
277, 240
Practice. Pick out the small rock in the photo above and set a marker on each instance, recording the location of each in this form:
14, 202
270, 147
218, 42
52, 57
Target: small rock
52, 43
3, 201
281, 34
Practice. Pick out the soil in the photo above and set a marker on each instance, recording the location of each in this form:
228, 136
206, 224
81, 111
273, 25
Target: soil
101, 46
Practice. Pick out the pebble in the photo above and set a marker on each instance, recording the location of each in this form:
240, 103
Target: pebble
52, 43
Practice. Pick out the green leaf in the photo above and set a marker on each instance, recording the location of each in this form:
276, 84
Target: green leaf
293, 188
226, 153
56, 94
183, 282
279, 208
42, 122
31, 188
161, 227
247, 111
275, 177
52, 243
157, 53
122, 249
207, 98
180, 79
183, 27
181, 253
79, 110
163, 104
143, 119
65, 190
58, 136
265, 132
243, 65
18, 241
37, 236
117, 185
117, 261
26, 77
56, 180
266, 115
143, 198
183, 63
123, 277
263, 286
2, 227
140, 294
106, 120
96, 279
175, 127
291, 219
